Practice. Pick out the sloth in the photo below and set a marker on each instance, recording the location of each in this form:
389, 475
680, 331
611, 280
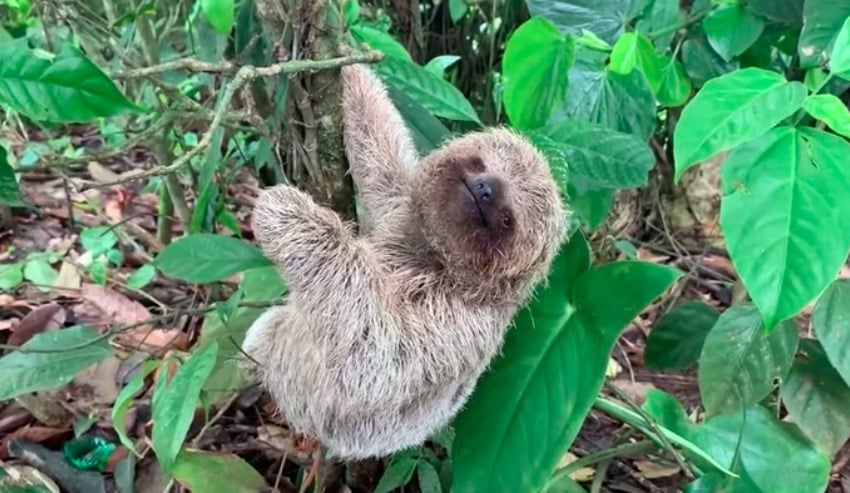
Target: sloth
384, 332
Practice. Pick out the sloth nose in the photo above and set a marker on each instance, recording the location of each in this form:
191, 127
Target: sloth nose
483, 188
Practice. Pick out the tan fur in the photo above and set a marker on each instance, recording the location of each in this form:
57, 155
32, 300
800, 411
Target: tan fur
384, 335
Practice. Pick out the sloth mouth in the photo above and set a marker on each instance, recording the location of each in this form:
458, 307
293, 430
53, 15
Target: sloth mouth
478, 206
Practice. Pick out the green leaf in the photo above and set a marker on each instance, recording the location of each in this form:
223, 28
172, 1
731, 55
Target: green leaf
381, 41
431, 91
830, 110
817, 398
701, 62
220, 14
677, 338
351, 12
605, 18
822, 20
59, 356
535, 67
439, 64
563, 483
831, 323
142, 276
39, 272
776, 193
428, 132
786, 12
66, 88
667, 411
203, 258
98, 239
731, 30
591, 205
398, 472
603, 157
765, 446
10, 193
533, 400
740, 359
675, 86
212, 472
839, 56
457, 9
635, 51
731, 110
620, 102
11, 276
174, 403
429, 480
664, 16
125, 399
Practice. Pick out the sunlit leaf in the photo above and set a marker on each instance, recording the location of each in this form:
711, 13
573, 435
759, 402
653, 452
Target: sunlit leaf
731, 110
785, 204
220, 14
830, 110
635, 51
740, 360
535, 65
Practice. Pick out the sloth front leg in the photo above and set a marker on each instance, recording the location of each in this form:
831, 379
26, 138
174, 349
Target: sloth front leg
314, 251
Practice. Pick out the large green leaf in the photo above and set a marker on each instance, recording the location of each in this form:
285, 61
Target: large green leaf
677, 338
535, 397
50, 360
379, 40
592, 205
731, 29
605, 18
605, 158
203, 258
785, 204
831, 323
220, 14
662, 17
620, 102
427, 131
431, 91
822, 19
731, 110
839, 56
9, 191
212, 472
817, 398
766, 449
535, 66
173, 404
65, 88
787, 12
830, 110
700, 60
740, 360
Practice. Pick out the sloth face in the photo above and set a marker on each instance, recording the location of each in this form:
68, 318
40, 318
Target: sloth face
487, 202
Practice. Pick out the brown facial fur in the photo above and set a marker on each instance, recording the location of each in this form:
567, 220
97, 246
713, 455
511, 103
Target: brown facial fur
384, 335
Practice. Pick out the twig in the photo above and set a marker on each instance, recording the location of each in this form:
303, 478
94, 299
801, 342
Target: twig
243, 75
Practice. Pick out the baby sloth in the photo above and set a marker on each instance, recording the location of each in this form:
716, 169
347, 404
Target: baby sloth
383, 335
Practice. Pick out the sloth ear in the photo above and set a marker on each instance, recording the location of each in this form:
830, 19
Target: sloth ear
373, 127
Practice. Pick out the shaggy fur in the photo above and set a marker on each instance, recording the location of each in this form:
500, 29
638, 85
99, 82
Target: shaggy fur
384, 335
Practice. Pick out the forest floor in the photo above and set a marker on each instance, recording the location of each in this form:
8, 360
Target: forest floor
246, 425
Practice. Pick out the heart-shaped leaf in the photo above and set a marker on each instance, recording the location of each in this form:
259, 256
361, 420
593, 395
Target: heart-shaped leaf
731, 29
830, 110
785, 204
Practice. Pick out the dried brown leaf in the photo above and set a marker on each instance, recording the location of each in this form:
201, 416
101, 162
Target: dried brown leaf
96, 386
46, 317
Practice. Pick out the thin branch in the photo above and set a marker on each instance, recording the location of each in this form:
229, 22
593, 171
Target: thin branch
245, 74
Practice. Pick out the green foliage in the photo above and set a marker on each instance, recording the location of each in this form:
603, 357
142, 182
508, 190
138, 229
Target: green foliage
219, 13
677, 338
602, 17
216, 473
830, 110
9, 192
831, 323
537, 58
203, 258
575, 322
66, 87
174, 403
50, 360
822, 19
125, 399
740, 360
731, 29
